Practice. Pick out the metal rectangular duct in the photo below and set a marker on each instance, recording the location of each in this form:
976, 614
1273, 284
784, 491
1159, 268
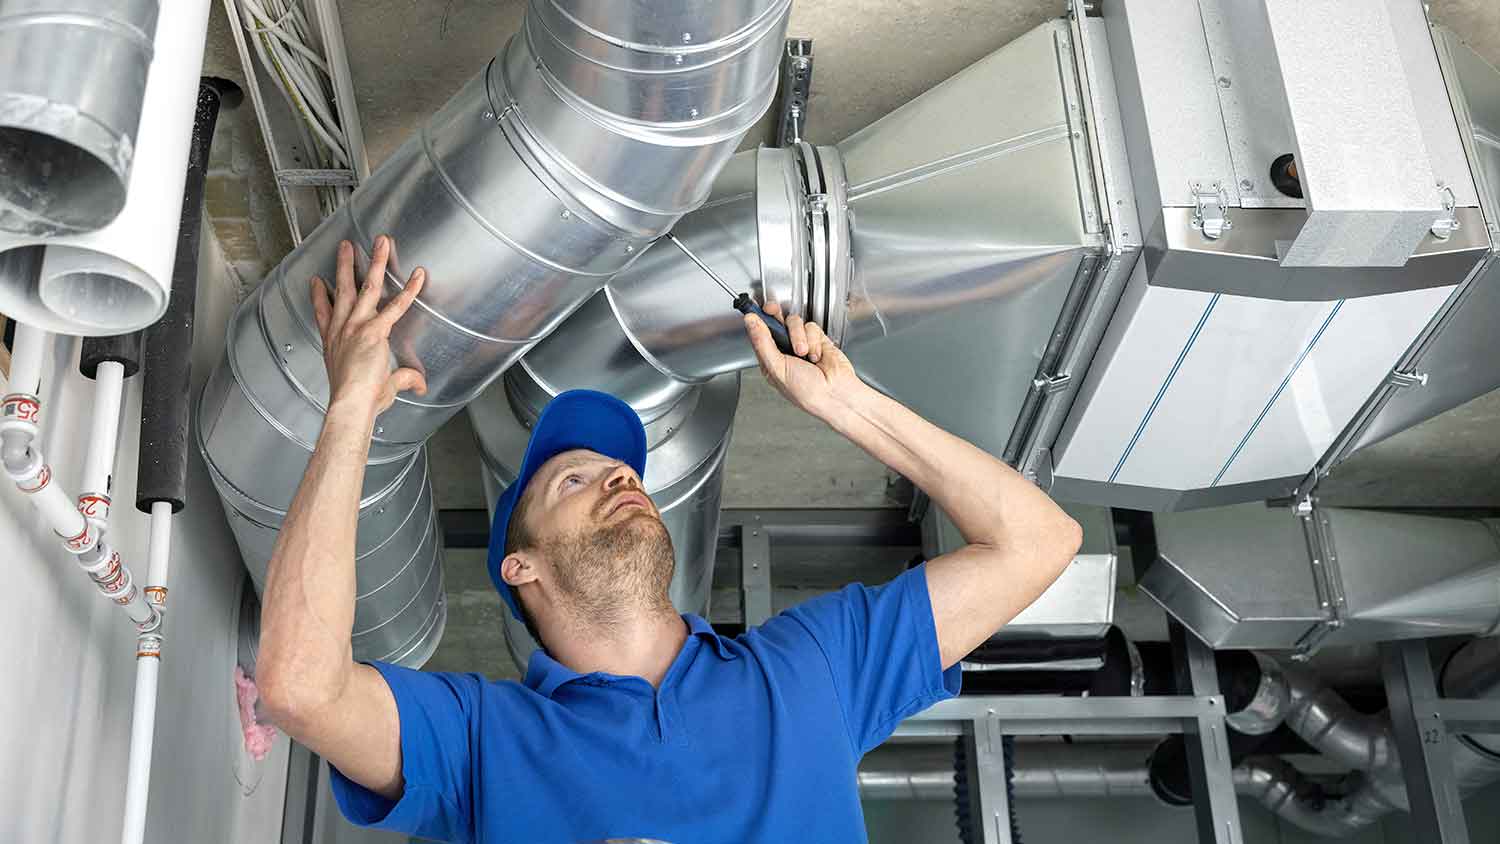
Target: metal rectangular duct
1459, 357
1252, 576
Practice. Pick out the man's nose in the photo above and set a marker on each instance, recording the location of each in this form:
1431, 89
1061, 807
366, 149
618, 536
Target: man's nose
620, 476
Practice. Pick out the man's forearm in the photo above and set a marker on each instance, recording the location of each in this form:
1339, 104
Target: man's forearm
989, 502
308, 609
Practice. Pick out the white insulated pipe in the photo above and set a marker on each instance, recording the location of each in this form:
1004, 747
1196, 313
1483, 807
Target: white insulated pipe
147, 672
117, 278
26, 359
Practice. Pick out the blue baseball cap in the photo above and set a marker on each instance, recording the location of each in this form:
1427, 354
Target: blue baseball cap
575, 419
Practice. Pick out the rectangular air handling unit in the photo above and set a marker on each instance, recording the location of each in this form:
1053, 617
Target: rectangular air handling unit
1314, 209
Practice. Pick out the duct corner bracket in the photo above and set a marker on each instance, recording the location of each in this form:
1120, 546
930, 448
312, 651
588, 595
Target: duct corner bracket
1324, 561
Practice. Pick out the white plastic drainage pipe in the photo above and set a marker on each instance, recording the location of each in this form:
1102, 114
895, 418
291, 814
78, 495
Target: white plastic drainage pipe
116, 278
147, 672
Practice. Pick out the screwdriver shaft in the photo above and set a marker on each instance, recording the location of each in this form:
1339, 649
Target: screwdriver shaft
702, 266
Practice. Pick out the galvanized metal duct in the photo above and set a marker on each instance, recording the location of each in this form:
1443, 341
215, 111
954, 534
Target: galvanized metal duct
952, 206
687, 438
1252, 576
592, 132
72, 80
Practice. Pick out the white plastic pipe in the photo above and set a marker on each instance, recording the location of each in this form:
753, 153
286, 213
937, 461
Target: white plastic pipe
159, 555
147, 671
99, 464
26, 356
58, 510
118, 278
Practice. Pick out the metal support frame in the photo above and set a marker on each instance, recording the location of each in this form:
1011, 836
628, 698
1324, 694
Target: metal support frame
755, 572
1426, 726
1198, 715
796, 86
296, 184
988, 793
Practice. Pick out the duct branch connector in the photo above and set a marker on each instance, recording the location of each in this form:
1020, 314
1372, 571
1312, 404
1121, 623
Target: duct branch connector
81, 522
596, 128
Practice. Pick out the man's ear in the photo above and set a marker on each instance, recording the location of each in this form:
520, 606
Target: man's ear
517, 568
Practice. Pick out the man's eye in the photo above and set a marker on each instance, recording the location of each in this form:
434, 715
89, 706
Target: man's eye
572, 480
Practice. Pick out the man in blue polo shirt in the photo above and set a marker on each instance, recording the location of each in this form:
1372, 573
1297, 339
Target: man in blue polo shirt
633, 721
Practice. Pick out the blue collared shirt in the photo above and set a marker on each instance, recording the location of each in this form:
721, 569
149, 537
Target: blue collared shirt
750, 739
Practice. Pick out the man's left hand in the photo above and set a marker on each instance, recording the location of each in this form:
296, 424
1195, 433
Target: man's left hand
818, 378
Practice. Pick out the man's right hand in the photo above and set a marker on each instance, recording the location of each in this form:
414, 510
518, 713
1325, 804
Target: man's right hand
356, 333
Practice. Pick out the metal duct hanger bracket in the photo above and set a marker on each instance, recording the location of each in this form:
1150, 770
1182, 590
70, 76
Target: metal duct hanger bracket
796, 88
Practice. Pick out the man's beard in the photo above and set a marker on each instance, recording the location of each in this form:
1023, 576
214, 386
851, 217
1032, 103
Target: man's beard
605, 573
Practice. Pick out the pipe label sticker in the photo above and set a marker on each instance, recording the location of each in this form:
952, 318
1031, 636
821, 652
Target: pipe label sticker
21, 407
94, 506
82, 542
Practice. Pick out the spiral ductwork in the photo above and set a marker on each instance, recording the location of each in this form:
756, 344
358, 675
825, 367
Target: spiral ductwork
584, 140
72, 80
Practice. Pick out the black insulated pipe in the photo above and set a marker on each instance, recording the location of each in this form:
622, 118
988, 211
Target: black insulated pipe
123, 349
162, 471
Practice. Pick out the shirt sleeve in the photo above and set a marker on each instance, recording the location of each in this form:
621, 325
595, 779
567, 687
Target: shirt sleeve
881, 646
436, 712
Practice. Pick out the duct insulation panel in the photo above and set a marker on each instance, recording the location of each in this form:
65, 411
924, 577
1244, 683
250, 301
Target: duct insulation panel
1226, 371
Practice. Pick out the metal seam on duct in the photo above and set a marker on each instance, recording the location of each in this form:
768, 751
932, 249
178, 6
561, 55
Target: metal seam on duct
439, 611
1277, 393
82, 21
641, 347
1181, 356
424, 307
717, 454
664, 71
659, 49
464, 203
956, 161
623, 125
594, 115
421, 587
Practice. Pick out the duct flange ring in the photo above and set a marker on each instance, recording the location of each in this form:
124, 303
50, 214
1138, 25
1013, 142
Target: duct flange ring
829, 224
781, 229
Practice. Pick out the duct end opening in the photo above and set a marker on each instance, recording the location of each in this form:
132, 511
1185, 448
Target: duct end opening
54, 184
106, 301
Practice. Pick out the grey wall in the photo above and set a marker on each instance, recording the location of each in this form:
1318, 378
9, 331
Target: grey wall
69, 662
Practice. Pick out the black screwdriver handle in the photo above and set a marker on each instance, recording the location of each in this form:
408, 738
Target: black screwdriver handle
745, 305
